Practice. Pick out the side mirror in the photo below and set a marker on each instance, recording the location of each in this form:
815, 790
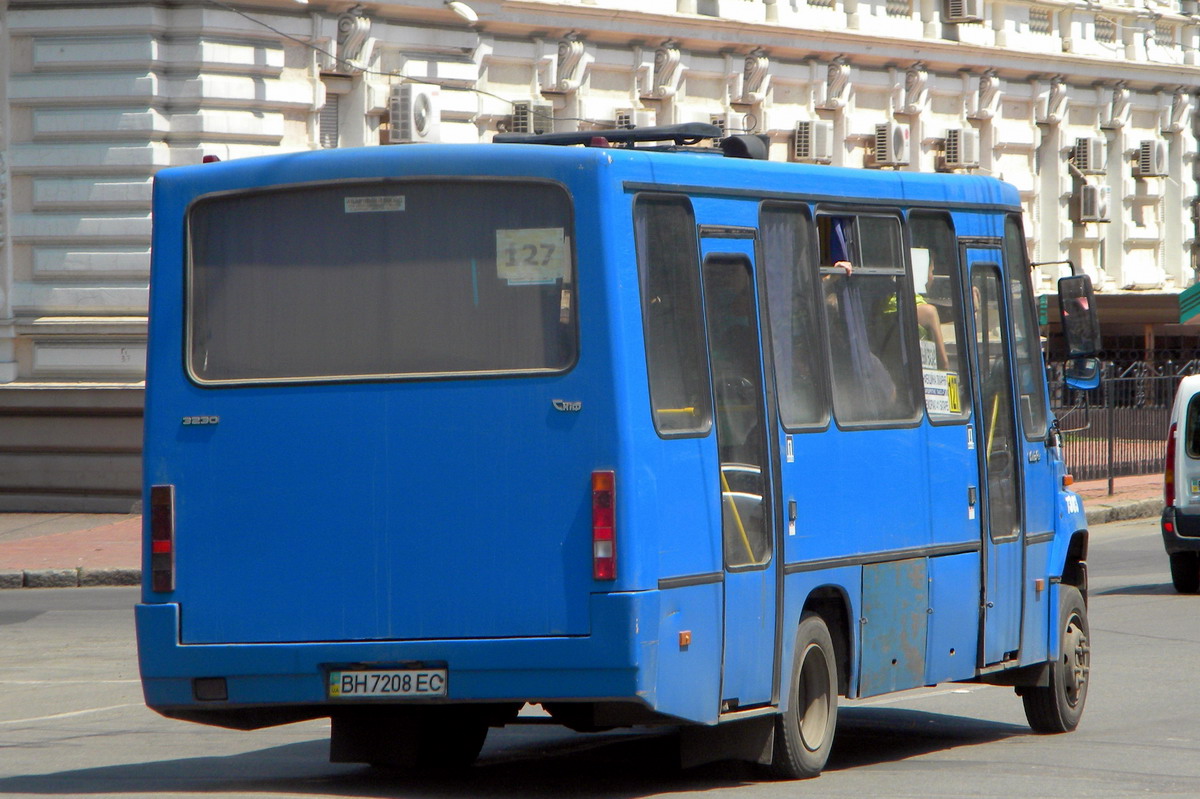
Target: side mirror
1080, 324
1082, 373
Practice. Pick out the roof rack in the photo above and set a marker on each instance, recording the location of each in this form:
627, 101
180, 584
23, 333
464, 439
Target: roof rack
687, 133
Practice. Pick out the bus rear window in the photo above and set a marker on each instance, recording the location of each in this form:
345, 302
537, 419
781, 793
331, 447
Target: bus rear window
381, 279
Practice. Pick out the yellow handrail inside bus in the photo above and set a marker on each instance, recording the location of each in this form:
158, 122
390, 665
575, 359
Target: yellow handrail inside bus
737, 517
992, 424
676, 410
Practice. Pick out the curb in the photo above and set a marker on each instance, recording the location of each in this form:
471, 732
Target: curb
81, 577
1099, 513
68, 578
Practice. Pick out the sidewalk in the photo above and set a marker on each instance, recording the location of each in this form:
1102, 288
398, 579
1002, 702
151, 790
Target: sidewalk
55, 550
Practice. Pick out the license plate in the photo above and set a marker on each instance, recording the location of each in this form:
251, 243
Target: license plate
376, 683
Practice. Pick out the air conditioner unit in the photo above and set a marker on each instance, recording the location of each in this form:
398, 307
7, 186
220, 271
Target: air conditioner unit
416, 113
531, 117
1151, 160
891, 144
1091, 203
961, 150
958, 11
812, 141
1088, 155
635, 117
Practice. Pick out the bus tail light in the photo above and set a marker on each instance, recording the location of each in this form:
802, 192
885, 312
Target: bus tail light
604, 540
1169, 469
162, 538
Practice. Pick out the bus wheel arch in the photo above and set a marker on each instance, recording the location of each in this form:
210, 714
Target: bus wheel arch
1074, 569
832, 605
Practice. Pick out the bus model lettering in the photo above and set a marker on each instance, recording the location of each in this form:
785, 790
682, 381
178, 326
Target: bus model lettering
441, 514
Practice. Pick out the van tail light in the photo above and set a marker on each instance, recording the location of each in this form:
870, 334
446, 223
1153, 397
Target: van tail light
162, 538
1169, 469
604, 539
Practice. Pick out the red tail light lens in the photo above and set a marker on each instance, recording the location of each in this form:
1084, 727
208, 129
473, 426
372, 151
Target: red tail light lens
604, 541
162, 538
1169, 469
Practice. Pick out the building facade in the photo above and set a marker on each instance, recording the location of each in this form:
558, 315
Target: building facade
1089, 109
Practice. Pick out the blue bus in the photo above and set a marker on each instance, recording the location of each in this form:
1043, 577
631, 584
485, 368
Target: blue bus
626, 425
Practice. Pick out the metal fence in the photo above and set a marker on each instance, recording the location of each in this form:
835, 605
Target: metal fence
1120, 428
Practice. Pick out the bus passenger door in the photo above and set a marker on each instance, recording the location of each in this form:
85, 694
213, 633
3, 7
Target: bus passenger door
998, 451
745, 481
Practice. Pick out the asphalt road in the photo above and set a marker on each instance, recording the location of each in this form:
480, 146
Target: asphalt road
72, 722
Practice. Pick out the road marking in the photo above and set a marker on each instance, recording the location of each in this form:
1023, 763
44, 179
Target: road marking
68, 682
71, 713
908, 697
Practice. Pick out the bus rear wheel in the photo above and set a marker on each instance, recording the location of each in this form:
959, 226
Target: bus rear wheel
1185, 572
804, 732
1058, 706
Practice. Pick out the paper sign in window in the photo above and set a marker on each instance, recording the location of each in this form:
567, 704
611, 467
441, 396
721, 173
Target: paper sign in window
941, 392
531, 255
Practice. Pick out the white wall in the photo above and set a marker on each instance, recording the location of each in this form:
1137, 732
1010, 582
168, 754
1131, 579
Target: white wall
96, 99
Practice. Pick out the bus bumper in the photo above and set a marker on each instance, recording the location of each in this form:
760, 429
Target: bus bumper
601, 666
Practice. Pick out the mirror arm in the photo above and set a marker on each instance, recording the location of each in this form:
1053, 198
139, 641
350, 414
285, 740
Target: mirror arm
1070, 263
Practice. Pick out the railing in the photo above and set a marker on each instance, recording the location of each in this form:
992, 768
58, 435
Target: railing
1120, 428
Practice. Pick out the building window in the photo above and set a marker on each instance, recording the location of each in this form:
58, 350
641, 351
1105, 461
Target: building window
1039, 21
1164, 34
327, 122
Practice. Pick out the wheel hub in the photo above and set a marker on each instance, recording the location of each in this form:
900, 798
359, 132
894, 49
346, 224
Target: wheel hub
1076, 660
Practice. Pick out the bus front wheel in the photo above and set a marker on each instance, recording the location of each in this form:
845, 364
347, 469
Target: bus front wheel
804, 732
1057, 707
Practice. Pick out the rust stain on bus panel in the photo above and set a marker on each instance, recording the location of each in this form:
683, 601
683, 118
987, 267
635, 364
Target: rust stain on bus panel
895, 621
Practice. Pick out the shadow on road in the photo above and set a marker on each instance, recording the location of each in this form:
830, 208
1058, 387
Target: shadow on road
1154, 589
617, 765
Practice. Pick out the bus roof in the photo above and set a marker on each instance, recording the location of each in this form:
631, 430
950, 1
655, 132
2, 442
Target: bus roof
694, 170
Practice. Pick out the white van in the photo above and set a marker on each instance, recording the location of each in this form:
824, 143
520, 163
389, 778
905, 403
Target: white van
1181, 516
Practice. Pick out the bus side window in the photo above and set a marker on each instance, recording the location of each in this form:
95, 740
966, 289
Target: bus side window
676, 359
936, 288
868, 318
794, 312
1028, 345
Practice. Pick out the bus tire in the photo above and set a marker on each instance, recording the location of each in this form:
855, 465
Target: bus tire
1185, 572
804, 732
1058, 706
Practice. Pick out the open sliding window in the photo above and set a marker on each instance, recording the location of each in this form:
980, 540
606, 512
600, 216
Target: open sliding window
870, 316
381, 279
